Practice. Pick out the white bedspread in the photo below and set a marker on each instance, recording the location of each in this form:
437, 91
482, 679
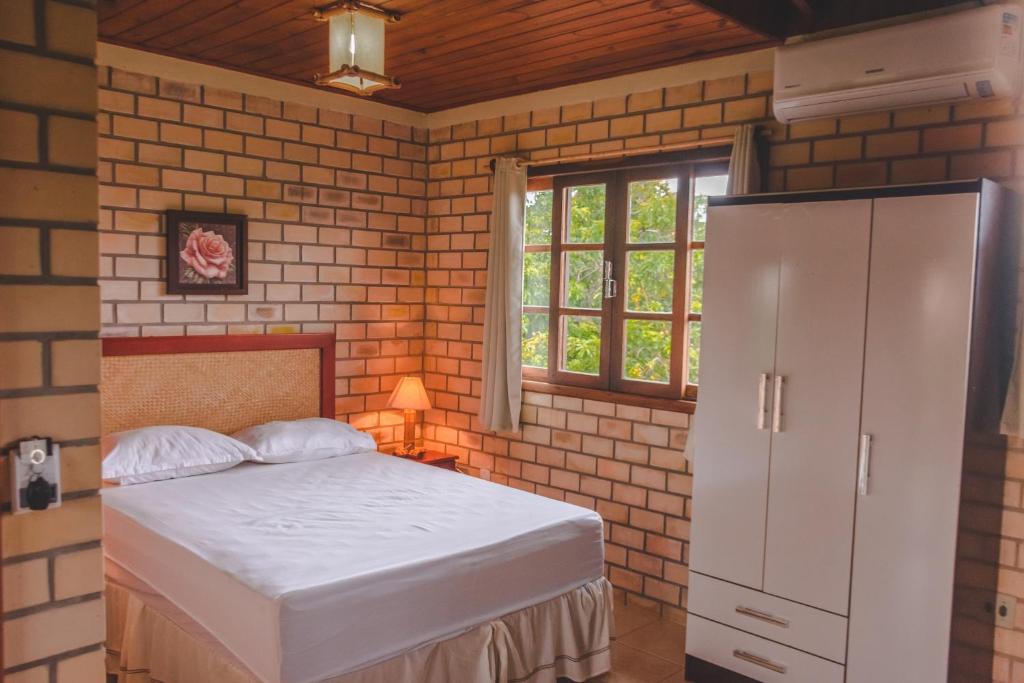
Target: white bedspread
310, 570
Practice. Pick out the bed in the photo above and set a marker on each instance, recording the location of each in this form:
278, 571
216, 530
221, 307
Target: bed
351, 569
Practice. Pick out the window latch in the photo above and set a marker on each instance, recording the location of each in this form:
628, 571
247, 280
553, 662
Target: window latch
611, 287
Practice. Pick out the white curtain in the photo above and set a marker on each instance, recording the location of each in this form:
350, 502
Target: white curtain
501, 397
744, 170
744, 178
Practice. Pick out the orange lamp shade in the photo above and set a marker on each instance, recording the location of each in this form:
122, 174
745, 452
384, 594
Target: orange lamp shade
409, 394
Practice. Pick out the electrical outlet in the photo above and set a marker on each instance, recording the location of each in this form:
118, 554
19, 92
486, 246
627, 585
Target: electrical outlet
35, 462
1005, 610
485, 474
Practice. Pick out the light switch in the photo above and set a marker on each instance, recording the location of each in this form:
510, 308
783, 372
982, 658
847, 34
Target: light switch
35, 475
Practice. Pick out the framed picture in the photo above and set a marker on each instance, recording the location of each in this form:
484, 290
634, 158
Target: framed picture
206, 253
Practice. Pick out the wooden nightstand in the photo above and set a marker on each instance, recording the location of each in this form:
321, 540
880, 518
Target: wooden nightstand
435, 458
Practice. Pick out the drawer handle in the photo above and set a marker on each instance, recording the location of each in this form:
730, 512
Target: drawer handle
763, 616
759, 661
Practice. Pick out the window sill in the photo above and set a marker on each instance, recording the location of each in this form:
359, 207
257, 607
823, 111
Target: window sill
669, 404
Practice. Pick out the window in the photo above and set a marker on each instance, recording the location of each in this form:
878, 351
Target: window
613, 278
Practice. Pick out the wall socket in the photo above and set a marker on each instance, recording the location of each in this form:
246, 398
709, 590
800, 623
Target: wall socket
1005, 610
485, 474
35, 457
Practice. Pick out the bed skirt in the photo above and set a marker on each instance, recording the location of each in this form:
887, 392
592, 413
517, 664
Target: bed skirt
149, 640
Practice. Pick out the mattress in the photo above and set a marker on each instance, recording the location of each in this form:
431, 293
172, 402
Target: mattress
311, 570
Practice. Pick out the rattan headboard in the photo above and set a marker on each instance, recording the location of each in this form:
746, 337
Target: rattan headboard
223, 383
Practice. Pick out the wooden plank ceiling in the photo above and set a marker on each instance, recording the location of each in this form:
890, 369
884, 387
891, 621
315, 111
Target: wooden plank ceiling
449, 53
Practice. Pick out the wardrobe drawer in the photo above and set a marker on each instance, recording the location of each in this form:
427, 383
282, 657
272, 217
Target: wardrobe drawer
755, 657
805, 628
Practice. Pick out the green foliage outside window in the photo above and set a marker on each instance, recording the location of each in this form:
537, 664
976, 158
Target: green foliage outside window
700, 217
584, 278
584, 273
649, 281
582, 344
652, 211
537, 278
693, 351
586, 215
535, 340
537, 221
647, 285
648, 354
696, 280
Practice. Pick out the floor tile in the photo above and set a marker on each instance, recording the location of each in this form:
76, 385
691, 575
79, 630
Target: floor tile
647, 649
661, 638
629, 618
630, 665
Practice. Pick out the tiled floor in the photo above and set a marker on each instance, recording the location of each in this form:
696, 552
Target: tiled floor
647, 649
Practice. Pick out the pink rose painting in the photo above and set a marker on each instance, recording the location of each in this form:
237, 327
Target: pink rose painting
206, 253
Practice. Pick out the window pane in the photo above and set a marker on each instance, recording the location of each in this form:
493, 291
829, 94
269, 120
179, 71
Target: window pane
537, 278
538, 217
583, 279
648, 350
696, 280
704, 187
585, 219
693, 350
535, 340
652, 211
649, 280
581, 351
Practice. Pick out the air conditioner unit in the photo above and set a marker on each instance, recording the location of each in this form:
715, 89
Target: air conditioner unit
976, 53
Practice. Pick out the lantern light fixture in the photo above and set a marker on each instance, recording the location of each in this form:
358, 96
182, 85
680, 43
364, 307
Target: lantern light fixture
356, 46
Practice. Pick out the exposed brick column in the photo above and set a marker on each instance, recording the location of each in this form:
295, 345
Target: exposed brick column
49, 319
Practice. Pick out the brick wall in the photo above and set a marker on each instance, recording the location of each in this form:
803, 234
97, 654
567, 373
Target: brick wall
49, 316
626, 461
336, 224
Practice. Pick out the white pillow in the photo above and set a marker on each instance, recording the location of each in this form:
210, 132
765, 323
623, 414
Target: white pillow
167, 452
314, 438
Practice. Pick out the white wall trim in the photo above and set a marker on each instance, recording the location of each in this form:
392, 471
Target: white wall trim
151, 63
163, 66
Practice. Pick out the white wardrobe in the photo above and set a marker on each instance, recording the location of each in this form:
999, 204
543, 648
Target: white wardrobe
855, 343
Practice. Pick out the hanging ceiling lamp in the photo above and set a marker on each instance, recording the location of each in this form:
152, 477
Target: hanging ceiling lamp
356, 33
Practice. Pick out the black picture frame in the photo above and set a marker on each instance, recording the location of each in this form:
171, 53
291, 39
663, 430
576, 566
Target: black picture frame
196, 264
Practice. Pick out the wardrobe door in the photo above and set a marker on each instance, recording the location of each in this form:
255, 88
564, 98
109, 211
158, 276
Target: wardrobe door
819, 354
741, 280
915, 375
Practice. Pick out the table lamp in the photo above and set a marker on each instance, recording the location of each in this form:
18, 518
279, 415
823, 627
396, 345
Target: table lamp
410, 396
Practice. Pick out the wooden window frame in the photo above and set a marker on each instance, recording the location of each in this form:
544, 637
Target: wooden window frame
680, 301
558, 308
677, 394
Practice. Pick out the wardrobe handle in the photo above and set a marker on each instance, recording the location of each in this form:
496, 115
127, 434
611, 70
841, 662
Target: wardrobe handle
864, 465
762, 400
763, 616
777, 404
759, 661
